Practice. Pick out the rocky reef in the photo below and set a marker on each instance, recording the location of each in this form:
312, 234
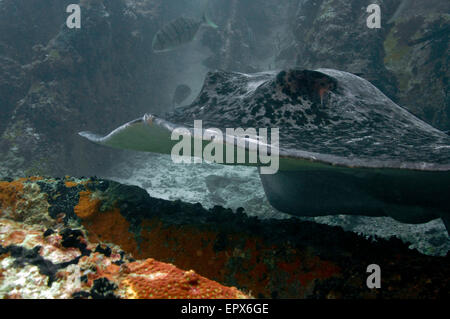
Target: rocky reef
55, 81
59, 231
417, 52
44, 253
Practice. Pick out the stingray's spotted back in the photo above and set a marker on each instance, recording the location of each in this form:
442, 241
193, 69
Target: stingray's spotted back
329, 115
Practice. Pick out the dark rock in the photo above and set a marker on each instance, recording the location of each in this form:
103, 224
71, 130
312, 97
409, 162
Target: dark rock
81, 295
103, 289
65, 79
62, 199
416, 52
13, 84
25, 256
49, 232
103, 250
70, 238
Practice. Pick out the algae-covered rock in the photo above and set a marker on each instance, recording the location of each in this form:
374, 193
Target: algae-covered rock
44, 254
13, 84
63, 80
417, 52
407, 58
334, 34
98, 226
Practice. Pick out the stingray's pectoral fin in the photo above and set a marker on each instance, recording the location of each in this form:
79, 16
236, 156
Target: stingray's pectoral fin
146, 134
155, 135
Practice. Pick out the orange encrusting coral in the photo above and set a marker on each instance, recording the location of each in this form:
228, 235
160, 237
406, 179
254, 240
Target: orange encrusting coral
87, 206
139, 279
156, 280
70, 184
257, 259
10, 195
317, 269
109, 226
16, 237
101, 266
181, 245
191, 248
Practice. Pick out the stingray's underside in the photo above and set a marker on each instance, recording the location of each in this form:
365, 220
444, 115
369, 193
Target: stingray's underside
344, 147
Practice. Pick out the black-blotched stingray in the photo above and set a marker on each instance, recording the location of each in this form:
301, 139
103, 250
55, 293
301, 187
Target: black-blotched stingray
345, 148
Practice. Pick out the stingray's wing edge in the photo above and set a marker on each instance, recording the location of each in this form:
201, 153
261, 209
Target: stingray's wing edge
153, 134
147, 134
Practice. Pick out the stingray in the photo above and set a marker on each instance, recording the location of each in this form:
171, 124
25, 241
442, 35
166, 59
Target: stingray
344, 147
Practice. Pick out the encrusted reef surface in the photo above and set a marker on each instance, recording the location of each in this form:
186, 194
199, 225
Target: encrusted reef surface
45, 254
77, 238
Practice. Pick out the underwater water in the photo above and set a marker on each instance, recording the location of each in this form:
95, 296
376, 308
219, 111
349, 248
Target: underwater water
344, 164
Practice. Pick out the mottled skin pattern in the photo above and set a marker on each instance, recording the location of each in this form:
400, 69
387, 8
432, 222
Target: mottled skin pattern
330, 113
389, 163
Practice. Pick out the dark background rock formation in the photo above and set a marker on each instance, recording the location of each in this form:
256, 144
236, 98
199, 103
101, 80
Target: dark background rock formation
55, 81
67, 80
